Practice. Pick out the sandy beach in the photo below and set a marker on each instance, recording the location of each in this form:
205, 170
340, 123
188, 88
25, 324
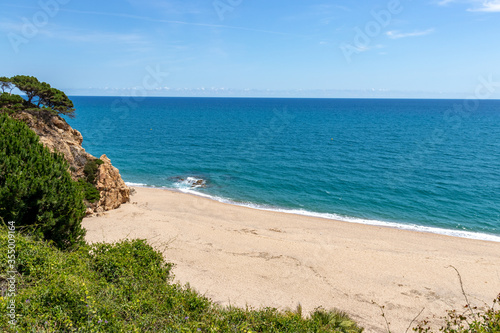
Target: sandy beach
242, 256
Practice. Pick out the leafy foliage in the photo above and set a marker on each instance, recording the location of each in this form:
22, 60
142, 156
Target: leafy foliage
41, 94
87, 185
127, 287
36, 190
6, 84
90, 170
90, 193
29, 85
11, 102
57, 100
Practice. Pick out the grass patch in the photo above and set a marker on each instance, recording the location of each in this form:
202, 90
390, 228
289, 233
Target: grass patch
127, 287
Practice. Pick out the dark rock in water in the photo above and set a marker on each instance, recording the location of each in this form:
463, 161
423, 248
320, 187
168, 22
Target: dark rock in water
198, 183
189, 181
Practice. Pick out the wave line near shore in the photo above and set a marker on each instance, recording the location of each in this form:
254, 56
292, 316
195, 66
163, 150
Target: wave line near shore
331, 216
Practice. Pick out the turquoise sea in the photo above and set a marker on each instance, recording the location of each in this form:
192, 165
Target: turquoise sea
428, 165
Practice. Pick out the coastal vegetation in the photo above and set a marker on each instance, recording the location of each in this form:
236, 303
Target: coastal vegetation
11, 102
42, 99
470, 320
38, 94
87, 184
90, 170
90, 193
36, 190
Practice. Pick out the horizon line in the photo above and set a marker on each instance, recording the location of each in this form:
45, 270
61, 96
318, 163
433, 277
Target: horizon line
285, 97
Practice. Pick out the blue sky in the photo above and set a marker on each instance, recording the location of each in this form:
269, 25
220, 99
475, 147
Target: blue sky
309, 48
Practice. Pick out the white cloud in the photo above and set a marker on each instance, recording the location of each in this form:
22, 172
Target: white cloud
394, 34
491, 6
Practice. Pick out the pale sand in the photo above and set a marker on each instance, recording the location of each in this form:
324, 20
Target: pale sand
243, 256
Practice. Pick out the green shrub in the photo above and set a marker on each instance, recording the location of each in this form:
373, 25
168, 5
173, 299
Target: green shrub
90, 170
127, 287
36, 190
11, 102
87, 185
90, 193
109, 261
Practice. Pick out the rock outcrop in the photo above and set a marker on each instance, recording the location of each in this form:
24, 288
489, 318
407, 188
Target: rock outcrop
110, 184
56, 134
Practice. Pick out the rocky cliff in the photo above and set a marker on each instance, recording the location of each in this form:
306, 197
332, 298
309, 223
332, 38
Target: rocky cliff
112, 185
57, 135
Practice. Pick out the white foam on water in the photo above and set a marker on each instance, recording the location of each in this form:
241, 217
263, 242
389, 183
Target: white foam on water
328, 216
186, 187
190, 183
136, 184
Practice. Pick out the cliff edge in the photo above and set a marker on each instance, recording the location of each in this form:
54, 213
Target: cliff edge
56, 134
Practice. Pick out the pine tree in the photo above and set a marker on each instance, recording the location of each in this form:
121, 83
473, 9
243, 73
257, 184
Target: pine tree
36, 189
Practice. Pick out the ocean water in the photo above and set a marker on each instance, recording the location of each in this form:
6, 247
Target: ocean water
428, 165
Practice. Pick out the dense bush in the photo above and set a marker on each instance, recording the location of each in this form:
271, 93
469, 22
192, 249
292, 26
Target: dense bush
90, 170
90, 193
36, 189
12, 102
127, 287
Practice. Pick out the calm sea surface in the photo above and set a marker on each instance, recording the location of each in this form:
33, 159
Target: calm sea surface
429, 165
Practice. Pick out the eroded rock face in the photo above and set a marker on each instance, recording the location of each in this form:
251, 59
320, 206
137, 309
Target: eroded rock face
110, 184
57, 135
